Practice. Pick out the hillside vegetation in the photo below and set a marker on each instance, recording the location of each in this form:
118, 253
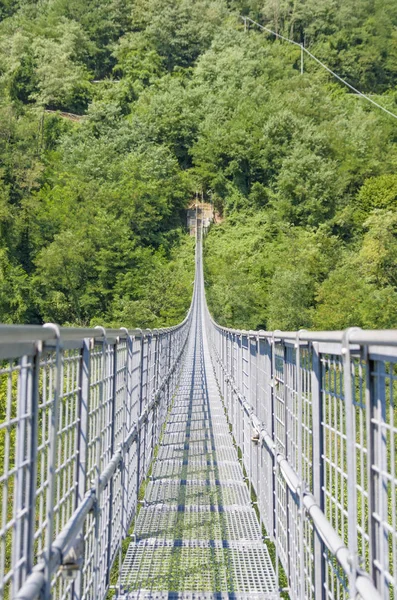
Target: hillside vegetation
169, 97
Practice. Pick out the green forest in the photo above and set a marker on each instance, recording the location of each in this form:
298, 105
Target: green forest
113, 113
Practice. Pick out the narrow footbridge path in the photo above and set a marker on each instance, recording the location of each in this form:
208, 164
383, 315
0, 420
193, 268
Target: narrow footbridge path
197, 532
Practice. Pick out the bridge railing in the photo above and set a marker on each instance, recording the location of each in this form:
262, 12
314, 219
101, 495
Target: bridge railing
81, 411
315, 416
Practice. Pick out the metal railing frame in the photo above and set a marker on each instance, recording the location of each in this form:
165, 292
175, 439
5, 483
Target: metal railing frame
140, 363
235, 354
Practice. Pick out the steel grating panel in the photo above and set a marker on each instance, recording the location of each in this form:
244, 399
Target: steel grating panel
225, 453
196, 407
196, 425
195, 569
237, 525
193, 450
182, 416
222, 438
191, 543
198, 493
197, 507
188, 425
198, 470
145, 595
180, 412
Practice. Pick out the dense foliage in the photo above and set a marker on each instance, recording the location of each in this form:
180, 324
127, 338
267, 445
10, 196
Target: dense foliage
112, 114
92, 207
305, 174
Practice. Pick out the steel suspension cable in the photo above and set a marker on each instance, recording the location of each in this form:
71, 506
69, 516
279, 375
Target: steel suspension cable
324, 66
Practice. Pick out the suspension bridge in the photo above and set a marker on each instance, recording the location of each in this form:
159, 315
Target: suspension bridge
197, 462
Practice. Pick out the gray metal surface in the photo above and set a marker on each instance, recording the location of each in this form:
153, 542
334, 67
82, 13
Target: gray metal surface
197, 532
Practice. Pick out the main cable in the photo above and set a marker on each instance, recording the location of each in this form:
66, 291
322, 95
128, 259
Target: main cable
324, 66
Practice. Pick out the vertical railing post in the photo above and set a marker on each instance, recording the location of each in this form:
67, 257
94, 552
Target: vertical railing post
247, 415
52, 459
239, 391
150, 395
171, 362
229, 373
317, 466
124, 465
240, 388
259, 415
127, 424
164, 372
21, 447
111, 452
145, 402
82, 438
287, 385
32, 458
82, 434
160, 376
98, 466
370, 403
169, 383
231, 393
249, 399
232, 377
155, 423
381, 485
351, 462
300, 458
139, 434
273, 436
260, 446
222, 339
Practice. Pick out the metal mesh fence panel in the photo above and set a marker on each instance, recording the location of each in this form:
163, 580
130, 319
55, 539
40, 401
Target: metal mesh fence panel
315, 418
80, 414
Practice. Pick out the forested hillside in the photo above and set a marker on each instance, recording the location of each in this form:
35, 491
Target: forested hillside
305, 172
114, 112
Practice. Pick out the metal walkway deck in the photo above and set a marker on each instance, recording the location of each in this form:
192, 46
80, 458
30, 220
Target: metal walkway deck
197, 535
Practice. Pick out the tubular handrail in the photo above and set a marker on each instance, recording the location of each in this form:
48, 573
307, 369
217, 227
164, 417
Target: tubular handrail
11, 334
381, 337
